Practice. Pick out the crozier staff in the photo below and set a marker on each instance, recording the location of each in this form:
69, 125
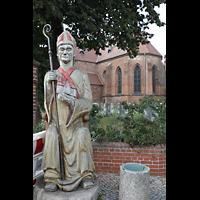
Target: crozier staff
48, 28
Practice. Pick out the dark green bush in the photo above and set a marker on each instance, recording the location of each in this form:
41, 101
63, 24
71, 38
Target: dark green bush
133, 128
41, 125
105, 129
140, 130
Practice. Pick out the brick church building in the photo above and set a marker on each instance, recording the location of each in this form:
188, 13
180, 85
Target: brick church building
114, 77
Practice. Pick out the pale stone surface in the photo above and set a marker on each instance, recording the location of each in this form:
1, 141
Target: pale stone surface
78, 194
73, 159
134, 185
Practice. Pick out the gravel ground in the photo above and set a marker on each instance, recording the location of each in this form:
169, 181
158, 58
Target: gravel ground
109, 187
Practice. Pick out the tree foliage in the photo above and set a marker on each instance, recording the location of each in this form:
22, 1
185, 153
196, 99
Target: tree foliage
95, 24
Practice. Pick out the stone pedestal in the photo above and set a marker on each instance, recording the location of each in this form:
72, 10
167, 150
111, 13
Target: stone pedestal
78, 194
134, 185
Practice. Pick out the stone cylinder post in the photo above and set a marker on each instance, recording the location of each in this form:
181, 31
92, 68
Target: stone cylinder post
134, 182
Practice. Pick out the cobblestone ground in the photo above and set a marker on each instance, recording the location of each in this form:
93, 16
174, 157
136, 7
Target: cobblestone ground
109, 187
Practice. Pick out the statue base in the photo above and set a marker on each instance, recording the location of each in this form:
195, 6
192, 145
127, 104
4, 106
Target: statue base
78, 194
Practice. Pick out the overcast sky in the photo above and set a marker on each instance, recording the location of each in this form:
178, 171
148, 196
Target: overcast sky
159, 38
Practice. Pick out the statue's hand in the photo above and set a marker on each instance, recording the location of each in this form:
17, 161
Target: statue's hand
70, 100
52, 76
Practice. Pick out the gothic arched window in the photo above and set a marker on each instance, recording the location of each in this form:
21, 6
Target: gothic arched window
119, 82
137, 79
154, 79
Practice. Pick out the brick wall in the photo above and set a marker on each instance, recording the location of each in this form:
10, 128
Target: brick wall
107, 70
110, 156
96, 93
35, 83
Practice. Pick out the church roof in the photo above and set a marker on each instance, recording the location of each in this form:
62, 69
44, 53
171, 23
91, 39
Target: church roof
94, 78
90, 56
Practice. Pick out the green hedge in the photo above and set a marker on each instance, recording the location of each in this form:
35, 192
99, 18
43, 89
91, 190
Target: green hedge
133, 128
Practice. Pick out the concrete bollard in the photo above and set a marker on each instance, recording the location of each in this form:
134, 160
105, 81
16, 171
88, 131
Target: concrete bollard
134, 182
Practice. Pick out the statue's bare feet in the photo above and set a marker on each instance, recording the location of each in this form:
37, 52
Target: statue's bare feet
87, 183
50, 187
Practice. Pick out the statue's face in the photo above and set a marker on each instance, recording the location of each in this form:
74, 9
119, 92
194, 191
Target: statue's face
65, 53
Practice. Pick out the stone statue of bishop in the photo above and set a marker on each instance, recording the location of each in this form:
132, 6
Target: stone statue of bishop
74, 101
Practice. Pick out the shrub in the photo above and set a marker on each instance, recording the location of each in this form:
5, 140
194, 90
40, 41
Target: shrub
140, 130
104, 128
41, 125
134, 128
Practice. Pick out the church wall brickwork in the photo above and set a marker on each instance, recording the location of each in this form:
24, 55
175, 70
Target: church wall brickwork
35, 84
97, 93
107, 70
86, 66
